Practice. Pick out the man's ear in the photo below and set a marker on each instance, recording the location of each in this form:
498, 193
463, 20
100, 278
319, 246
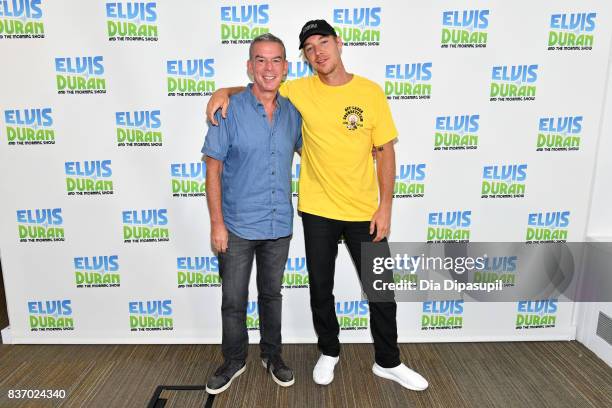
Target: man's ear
249, 65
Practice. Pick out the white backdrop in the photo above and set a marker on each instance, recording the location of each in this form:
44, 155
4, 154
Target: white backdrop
39, 275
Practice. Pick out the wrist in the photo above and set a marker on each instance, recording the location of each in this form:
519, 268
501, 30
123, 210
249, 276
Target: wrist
217, 223
385, 205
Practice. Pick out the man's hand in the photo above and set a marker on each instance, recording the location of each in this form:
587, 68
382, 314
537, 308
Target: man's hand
219, 237
381, 223
219, 99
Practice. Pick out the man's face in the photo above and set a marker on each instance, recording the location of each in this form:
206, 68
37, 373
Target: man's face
268, 66
323, 52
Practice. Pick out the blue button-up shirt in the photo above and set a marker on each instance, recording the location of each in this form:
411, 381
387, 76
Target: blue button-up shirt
257, 157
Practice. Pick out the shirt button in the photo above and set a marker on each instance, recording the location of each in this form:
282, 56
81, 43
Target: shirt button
272, 153
274, 210
273, 191
273, 173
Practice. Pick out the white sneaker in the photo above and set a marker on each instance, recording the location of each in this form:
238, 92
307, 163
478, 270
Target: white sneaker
323, 372
403, 375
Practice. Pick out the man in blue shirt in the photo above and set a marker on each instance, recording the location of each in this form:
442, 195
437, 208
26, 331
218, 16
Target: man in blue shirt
248, 189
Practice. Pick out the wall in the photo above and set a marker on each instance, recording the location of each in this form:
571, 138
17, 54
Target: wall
600, 230
42, 275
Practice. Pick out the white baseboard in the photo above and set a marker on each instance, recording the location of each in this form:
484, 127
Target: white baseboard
564, 335
5, 335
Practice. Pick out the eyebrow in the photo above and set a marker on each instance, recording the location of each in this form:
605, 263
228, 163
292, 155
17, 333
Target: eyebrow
261, 56
323, 37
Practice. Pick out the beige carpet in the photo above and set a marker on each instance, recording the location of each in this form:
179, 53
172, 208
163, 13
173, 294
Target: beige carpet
535, 374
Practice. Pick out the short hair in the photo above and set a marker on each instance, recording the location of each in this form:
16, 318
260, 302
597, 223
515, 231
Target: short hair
267, 37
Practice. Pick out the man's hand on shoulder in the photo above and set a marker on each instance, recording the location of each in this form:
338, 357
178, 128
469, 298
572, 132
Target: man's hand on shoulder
219, 99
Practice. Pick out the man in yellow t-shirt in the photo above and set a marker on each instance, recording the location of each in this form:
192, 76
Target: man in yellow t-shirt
341, 193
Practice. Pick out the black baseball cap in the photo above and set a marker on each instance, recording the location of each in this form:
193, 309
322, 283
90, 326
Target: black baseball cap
313, 27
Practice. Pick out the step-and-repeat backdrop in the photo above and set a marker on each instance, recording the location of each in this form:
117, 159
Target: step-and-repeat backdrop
104, 226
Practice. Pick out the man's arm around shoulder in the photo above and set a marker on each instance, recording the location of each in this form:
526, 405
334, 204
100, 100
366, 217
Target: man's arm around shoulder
220, 99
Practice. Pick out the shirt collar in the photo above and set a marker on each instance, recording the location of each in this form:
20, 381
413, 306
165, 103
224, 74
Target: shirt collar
279, 99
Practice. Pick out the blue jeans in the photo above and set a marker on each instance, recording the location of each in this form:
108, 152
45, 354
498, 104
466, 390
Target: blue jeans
235, 270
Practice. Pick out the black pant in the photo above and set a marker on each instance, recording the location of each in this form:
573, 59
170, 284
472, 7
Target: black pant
321, 237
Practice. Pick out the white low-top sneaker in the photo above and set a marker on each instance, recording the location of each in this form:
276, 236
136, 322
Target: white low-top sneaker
402, 375
323, 372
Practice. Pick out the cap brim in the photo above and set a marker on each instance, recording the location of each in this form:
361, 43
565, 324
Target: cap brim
316, 32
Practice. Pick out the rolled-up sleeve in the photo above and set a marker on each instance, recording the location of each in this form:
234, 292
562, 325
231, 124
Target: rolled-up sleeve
216, 144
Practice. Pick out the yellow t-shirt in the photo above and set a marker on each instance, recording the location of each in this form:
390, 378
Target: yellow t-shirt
339, 126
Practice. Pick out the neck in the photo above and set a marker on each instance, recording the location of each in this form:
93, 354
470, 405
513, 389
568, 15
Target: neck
267, 98
337, 77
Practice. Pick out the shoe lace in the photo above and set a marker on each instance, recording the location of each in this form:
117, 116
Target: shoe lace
225, 368
277, 362
222, 368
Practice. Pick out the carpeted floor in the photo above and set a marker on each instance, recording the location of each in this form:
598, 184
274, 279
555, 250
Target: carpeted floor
534, 374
